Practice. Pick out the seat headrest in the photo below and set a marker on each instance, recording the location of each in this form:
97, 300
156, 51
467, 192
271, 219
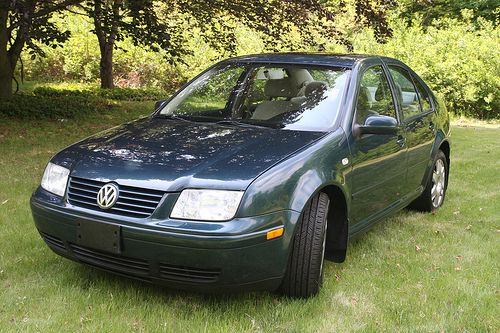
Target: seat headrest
315, 89
363, 98
399, 92
382, 89
280, 88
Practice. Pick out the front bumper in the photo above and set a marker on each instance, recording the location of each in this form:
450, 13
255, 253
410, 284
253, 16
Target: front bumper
203, 261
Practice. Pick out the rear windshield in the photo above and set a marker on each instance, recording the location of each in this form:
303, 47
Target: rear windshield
294, 97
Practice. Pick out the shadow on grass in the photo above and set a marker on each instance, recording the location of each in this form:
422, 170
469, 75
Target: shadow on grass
88, 277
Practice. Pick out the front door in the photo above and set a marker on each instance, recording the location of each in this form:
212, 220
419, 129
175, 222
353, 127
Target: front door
379, 160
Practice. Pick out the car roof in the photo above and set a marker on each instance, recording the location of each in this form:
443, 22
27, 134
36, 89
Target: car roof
325, 59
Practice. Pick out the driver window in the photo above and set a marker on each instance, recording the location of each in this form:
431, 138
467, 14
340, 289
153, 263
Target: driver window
374, 96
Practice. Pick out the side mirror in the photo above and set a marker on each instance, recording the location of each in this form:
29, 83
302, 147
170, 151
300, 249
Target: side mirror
160, 104
378, 124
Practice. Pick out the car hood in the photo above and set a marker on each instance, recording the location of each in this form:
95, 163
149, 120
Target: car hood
171, 155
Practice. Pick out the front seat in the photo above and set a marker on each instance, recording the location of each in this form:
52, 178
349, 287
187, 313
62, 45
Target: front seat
277, 88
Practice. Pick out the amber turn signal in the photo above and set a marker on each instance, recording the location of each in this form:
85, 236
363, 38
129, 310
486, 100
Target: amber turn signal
275, 233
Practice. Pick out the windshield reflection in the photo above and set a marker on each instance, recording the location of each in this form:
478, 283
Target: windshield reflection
294, 97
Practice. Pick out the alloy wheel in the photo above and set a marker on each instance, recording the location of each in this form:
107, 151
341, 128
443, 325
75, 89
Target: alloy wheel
438, 183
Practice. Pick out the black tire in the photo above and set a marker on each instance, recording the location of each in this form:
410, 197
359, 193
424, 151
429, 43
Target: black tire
427, 201
304, 275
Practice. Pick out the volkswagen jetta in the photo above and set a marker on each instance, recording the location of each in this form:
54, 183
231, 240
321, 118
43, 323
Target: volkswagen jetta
251, 174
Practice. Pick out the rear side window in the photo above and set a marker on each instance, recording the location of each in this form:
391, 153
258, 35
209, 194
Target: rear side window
405, 91
425, 101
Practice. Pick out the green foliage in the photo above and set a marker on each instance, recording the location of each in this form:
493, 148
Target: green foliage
55, 103
430, 10
30, 24
26, 106
120, 94
134, 66
458, 59
130, 94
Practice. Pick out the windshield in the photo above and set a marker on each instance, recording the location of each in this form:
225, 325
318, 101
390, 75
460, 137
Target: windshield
298, 97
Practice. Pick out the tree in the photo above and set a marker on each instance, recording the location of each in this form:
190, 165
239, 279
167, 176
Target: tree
24, 24
168, 24
433, 9
138, 19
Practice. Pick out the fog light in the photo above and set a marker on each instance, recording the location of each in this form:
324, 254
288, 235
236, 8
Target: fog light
275, 233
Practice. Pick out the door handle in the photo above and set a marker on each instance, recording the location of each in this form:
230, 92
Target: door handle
431, 126
401, 141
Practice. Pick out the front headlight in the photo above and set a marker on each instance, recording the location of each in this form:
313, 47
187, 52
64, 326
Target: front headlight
55, 179
207, 205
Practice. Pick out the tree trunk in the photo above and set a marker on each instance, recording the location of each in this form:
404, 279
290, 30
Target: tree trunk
106, 66
106, 35
6, 70
5, 80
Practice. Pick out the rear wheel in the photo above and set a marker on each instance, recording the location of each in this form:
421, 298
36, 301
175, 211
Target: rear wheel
435, 190
305, 267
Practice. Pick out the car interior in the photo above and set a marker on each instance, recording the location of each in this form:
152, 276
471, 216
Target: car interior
262, 94
374, 100
282, 91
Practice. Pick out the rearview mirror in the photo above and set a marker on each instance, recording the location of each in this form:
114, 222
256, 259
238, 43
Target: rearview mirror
378, 124
160, 104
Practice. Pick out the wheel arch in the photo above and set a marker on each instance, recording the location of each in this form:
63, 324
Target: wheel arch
337, 223
441, 143
445, 148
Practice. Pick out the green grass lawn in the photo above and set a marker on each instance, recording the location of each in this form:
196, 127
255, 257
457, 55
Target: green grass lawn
411, 273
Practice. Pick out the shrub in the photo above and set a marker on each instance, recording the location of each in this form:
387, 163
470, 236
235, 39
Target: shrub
55, 92
26, 106
53, 103
120, 94
458, 59
131, 94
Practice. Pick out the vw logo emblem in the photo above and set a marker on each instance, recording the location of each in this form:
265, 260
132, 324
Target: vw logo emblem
107, 196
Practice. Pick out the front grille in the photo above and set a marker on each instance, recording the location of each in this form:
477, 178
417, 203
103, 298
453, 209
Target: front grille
136, 267
132, 201
188, 274
53, 242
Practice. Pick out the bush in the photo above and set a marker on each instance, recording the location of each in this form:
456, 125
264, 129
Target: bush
458, 59
131, 94
26, 106
120, 94
55, 92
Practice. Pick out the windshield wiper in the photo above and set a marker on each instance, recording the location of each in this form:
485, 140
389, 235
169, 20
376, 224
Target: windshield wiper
173, 117
243, 124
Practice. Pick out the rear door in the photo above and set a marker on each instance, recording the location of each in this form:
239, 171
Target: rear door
416, 111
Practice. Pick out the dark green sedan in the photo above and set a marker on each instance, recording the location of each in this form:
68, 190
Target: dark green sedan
251, 175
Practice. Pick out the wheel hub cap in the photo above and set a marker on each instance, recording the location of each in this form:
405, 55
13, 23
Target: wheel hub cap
438, 183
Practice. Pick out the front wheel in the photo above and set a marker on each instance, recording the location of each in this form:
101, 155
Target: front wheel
305, 268
435, 190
